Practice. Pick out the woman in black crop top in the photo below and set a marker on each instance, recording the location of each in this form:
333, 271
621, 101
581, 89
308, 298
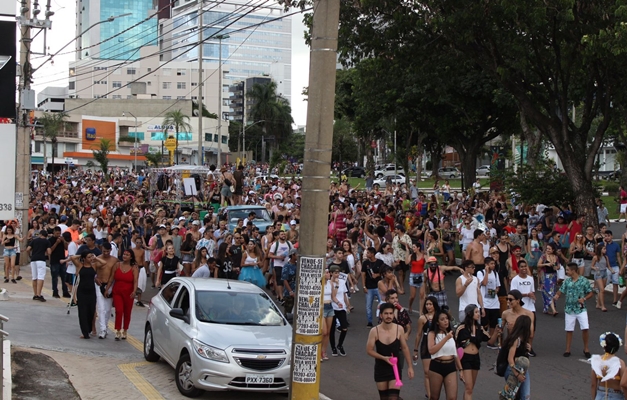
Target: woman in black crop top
469, 336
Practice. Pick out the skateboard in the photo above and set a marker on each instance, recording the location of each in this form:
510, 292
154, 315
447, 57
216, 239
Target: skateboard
512, 384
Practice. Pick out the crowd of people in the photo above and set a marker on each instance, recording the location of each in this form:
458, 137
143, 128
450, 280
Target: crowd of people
107, 237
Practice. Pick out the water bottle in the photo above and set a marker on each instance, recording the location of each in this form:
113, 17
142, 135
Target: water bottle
414, 360
500, 322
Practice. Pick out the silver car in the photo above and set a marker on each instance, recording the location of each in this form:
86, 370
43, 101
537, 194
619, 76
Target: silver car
219, 334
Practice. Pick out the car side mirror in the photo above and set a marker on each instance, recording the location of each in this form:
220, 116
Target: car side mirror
179, 314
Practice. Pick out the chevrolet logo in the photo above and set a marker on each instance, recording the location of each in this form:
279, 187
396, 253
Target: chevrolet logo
261, 357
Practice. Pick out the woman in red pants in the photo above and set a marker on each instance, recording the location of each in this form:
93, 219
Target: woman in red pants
125, 275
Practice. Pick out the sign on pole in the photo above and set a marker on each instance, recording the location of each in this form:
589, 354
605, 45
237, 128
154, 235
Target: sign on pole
7, 152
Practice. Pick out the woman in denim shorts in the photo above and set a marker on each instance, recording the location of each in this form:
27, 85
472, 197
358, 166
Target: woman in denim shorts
10, 241
599, 267
327, 321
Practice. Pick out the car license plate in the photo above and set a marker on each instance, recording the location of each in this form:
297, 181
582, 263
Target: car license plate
252, 379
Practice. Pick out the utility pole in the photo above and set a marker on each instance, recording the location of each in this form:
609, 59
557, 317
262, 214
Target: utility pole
26, 103
201, 153
244, 125
306, 347
220, 38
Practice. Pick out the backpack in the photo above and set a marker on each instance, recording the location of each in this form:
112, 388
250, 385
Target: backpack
500, 365
276, 247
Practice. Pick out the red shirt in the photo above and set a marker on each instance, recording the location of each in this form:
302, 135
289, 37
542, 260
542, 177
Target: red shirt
575, 228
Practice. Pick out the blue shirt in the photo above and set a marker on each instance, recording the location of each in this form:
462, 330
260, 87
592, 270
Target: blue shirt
613, 250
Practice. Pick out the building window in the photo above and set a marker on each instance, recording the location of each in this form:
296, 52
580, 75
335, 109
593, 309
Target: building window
131, 71
70, 147
180, 72
100, 82
116, 96
180, 97
167, 71
181, 85
149, 69
37, 147
148, 83
194, 84
166, 85
225, 139
117, 84
194, 97
72, 86
129, 96
167, 97
215, 138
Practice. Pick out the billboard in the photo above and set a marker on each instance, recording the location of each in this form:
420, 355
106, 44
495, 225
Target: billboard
7, 153
8, 60
94, 130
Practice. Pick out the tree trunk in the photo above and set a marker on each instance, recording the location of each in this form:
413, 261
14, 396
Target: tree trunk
436, 157
533, 138
584, 191
468, 160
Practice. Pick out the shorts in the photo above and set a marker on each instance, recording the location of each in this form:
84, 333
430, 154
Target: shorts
146, 255
327, 311
600, 274
38, 270
614, 276
226, 191
99, 242
441, 298
69, 278
402, 266
623, 208
570, 319
471, 362
278, 271
10, 252
491, 318
415, 280
448, 247
587, 267
608, 394
443, 368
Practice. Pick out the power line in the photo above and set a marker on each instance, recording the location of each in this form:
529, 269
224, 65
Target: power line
173, 59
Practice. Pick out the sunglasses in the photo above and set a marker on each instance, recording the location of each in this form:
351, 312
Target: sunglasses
510, 299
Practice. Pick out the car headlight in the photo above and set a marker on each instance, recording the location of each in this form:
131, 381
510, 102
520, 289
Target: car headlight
210, 352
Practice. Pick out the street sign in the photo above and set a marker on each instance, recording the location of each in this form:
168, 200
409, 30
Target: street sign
170, 144
8, 152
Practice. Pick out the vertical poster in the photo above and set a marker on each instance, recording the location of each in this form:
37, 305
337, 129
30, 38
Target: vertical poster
8, 50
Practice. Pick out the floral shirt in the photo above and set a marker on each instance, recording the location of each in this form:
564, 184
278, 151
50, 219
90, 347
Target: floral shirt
573, 291
399, 251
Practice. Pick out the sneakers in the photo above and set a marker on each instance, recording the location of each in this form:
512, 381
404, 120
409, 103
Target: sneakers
6, 280
102, 336
618, 304
56, 295
41, 298
123, 335
333, 352
494, 347
532, 353
13, 281
340, 350
369, 325
67, 295
118, 335
324, 357
73, 305
140, 304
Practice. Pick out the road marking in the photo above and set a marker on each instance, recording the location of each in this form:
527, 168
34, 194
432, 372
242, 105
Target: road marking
140, 383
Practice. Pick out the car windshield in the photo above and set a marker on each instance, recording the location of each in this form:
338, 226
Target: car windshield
261, 214
233, 308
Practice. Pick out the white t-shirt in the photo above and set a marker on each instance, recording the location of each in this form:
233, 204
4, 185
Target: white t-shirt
202, 272
489, 293
468, 235
525, 286
71, 251
342, 288
280, 249
470, 294
387, 258
114, 250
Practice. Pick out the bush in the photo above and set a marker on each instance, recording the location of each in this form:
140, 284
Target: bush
126, 139
611, 188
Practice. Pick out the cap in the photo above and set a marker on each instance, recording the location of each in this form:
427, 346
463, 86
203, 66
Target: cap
280, 204
292, 252
252, 192
63, 218
292, 222
334, 268
517, 295
175, 227
182, 219
162, 226
432, 259
94, 211
196, 223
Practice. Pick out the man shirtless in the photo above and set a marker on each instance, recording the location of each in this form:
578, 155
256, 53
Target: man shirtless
434, 283
511, 272
515, 310
474, 251
104, 301
138, 250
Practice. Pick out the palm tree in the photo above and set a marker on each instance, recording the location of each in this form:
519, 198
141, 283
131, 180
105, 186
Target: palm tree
101, 155
180, 122
271, 108
53, 124
153, 159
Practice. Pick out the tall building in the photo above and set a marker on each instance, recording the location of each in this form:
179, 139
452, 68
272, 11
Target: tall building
238, 100
98, 41
259, 41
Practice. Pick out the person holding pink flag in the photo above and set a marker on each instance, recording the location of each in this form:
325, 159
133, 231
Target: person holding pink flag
386, 341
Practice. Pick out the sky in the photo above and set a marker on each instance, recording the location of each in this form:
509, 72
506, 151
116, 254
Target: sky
62, 32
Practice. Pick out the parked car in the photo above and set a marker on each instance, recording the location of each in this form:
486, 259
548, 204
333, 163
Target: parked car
219, 335
233, 213
400, 179
356, 172
483, 170
389, 169
449, 172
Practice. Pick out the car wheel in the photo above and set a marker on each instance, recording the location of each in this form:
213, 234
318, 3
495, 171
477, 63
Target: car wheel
183, 377
380, 176
149, 346
452, 176
361, 175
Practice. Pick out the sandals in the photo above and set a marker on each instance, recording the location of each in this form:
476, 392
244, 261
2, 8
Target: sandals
566, 354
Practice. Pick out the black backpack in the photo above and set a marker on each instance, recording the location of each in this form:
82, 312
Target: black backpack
500, 366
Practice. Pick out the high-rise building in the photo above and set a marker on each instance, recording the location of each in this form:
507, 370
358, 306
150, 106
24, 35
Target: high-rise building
238, 100
259, 41
118, 39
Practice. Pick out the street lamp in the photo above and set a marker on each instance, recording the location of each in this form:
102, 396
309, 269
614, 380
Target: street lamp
220, 38
244, 135
135, 145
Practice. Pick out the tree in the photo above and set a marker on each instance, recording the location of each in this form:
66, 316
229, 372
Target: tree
101, 155
180, 122
205, 112
550, 59
344, 143
52, 124
153, 159
272, 109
